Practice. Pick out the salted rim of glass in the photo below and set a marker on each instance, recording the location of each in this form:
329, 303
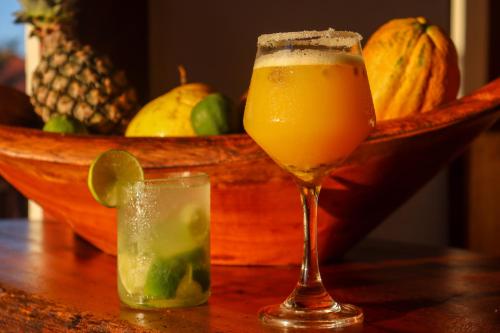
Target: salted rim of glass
329, 37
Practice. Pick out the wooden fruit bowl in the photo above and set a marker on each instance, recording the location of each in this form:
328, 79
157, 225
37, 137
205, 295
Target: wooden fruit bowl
256, 214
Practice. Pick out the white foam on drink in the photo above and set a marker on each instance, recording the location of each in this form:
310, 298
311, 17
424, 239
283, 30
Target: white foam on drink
305, 57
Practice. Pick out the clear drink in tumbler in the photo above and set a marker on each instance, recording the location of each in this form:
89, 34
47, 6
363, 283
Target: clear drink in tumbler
164, 242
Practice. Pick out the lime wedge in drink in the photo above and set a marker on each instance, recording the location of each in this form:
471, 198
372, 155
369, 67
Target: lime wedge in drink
164, 276
196, 219
189, 288
198, 272
180, 276
109, 171
132, 272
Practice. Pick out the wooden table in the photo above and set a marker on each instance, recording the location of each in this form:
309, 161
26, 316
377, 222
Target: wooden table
52, 281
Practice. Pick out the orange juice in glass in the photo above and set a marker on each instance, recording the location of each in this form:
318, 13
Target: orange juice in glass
302, 104
309, 106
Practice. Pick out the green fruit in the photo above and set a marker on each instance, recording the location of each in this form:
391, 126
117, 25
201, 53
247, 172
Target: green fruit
109, 172
211, 115
164, 276
65, 124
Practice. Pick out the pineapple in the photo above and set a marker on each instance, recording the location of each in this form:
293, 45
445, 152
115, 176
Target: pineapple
72, 79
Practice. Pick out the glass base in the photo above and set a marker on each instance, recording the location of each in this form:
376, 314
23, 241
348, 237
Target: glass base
339, 315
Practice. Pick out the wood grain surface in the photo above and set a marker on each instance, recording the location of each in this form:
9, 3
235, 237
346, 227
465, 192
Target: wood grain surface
53, 281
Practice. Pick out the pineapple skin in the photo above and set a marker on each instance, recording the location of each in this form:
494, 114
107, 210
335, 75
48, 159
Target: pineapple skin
76, 81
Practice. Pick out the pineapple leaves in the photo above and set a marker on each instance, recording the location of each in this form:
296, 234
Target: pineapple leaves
40, 12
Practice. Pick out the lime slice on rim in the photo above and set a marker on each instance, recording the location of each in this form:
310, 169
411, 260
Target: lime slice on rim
111, 170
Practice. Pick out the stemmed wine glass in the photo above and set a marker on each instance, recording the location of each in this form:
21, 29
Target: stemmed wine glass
309, 106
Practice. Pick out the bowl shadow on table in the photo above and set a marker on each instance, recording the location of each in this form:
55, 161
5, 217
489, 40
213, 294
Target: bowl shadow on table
84, 250
384, 311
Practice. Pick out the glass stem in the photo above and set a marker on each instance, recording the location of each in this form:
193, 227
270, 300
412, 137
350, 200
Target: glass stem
310, 292
309, 274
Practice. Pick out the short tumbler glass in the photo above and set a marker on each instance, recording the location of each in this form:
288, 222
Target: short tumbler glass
163, 255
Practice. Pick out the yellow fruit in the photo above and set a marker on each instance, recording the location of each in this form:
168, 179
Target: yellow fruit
412, 67
169, 114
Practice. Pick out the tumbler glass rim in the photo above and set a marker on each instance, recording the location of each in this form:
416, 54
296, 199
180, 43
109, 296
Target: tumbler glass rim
180, 179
